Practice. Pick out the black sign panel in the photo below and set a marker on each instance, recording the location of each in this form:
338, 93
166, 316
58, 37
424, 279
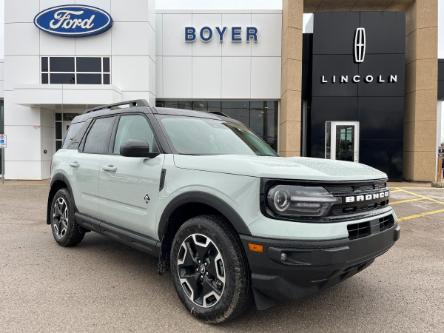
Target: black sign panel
358, 74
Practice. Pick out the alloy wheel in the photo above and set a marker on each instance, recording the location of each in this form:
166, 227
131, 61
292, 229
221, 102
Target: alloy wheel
60, 217
201, 270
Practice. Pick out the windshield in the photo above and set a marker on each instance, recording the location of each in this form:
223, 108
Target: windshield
203, 136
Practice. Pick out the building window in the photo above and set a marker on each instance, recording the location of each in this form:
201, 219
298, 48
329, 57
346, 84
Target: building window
62, 123
261, 116
75, 70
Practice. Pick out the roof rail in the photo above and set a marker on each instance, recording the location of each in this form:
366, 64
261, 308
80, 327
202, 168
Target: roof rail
136, 102
219, 113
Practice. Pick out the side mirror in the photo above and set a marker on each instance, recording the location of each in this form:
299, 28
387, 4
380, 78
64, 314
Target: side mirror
135, 148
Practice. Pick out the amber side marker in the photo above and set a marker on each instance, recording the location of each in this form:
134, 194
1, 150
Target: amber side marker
258, 248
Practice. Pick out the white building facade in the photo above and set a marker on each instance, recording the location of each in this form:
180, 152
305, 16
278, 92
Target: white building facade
48, 79
259, 66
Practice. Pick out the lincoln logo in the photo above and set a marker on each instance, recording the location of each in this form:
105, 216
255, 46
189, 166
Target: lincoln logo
360, 42
366, 197
359, 49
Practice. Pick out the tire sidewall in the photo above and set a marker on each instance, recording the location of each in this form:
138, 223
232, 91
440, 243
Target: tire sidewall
232, 264
63, 193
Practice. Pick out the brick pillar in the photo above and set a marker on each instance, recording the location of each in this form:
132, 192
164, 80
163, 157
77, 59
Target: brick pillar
290, 110
420, 123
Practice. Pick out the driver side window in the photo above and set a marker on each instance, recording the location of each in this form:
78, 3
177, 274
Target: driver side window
134, 127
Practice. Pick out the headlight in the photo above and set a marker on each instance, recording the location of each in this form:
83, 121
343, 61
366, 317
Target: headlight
293, 201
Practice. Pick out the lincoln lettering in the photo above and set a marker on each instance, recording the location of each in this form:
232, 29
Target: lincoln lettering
392, 78
63, 19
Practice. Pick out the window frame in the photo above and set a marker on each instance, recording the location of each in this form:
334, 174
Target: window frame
87, 132
162, 143
48, 73
116, 127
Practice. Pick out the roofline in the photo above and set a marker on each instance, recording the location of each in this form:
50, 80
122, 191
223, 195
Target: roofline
130, 103
141, 105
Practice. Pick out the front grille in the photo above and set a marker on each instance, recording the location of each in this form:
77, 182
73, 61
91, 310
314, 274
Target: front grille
345, 189
386, 222
358, 230
364, 229
342, 209
358, 191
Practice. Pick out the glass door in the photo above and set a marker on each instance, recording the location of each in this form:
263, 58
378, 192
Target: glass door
62, 123
342, 140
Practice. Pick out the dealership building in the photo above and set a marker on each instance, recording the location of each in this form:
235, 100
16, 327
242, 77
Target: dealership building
358, 80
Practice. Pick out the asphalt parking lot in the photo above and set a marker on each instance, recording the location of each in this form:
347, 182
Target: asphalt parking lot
104, 286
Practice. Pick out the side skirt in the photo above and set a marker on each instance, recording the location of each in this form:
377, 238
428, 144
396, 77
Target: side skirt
135, 240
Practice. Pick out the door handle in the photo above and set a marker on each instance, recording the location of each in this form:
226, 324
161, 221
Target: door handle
74, 164
109, 168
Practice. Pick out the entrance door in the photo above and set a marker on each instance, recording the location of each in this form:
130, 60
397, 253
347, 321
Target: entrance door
342, 140
62, 123
65, 128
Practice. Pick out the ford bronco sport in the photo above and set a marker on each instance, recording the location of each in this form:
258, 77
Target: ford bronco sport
231, 220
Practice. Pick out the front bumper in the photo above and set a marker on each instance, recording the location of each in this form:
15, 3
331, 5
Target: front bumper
293, 269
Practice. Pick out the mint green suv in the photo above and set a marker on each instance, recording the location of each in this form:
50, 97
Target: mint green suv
230, 219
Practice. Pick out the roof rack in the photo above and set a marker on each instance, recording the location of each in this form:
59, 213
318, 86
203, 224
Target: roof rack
132, 103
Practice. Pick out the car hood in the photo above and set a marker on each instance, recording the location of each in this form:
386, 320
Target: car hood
301, 168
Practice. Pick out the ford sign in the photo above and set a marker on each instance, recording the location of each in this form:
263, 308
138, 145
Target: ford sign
73, 20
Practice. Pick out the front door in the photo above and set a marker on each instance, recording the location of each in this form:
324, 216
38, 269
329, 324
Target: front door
129, 186
342, 140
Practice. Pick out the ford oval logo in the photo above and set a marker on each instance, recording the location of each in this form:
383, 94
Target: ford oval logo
73, 20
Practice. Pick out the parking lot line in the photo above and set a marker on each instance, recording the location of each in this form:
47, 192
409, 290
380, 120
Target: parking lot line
423, 197
405, 201
415, 216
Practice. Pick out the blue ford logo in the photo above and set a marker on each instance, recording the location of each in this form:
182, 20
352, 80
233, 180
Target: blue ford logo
73, 20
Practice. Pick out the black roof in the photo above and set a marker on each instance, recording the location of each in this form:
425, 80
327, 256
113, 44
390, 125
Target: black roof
143, 106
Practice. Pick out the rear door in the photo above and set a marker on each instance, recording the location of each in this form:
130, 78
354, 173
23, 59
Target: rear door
129, 186
85, 165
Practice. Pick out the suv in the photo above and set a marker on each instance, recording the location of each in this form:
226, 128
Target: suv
231, 220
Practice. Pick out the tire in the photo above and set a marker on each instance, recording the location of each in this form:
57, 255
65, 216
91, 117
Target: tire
65, 230
209, 269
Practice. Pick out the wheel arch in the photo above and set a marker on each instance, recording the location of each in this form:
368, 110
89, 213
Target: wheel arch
58, 181
186, 206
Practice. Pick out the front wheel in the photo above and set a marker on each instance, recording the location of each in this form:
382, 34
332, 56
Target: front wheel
209, 269
65, 230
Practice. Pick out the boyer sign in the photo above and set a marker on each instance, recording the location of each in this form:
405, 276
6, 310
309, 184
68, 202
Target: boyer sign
73, 20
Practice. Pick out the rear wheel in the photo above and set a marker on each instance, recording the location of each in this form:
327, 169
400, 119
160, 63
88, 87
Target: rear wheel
65, 230
209, 269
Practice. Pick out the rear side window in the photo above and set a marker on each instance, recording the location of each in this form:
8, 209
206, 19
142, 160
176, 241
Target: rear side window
134, 127
97, 141
74, 135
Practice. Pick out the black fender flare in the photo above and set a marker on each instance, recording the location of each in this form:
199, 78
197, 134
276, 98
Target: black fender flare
212, 201
57, 177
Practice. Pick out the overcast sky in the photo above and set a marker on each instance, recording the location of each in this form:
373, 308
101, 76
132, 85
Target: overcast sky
235, 4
